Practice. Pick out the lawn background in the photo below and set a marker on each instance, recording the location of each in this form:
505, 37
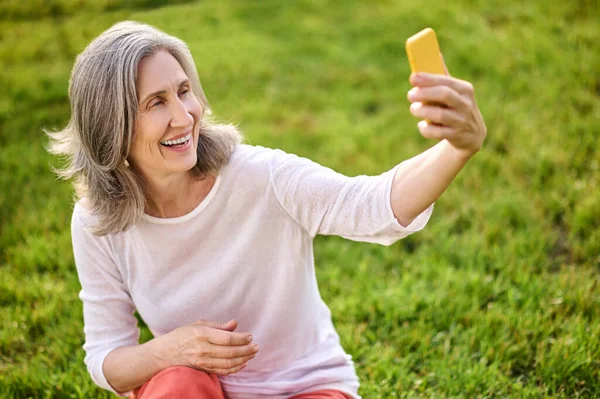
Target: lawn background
497, 297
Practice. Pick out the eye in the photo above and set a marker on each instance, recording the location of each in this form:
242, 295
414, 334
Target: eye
159, 102
184, 92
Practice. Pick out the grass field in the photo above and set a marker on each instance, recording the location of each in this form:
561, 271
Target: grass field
497, 297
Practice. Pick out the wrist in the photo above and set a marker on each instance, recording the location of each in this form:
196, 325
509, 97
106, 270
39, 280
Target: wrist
158, 354
462, 154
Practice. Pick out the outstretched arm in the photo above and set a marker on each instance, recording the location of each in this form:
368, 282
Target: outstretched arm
450, 114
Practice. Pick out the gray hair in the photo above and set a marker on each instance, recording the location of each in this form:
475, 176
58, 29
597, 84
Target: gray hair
104, 106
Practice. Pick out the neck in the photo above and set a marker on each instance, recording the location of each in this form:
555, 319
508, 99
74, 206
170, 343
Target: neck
176, 195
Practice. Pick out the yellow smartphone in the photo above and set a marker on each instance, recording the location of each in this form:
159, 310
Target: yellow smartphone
423, 53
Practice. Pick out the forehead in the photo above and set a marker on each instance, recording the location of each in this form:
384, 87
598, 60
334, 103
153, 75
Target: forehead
158, 71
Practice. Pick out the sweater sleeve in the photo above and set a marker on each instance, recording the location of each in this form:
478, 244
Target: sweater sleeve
325, 202
108, 309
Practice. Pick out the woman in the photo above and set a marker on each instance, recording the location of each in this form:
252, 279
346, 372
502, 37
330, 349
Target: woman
211, 240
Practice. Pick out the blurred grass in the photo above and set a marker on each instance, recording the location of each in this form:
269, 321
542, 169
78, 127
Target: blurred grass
498, 297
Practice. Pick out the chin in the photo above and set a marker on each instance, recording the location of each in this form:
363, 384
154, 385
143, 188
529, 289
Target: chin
189, 165
185, 165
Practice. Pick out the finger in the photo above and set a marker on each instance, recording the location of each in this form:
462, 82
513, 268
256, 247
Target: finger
444, 62
221, 337
228, 352
437, 115
423, 79
438, 94
224, 372
435, 132
224, 364
231, 325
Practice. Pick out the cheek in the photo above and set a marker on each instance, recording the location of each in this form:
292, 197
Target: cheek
147, 134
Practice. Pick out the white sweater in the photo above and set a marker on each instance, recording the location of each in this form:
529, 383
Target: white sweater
245, 253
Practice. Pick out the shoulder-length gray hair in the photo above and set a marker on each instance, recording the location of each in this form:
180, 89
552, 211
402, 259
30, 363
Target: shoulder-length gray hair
104, 106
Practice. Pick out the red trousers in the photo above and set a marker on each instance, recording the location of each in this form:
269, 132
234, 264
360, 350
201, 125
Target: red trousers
187, 383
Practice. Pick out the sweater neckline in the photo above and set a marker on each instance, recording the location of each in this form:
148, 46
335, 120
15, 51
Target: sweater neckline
197, 210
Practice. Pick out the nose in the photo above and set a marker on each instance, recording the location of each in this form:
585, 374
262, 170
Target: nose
180, 115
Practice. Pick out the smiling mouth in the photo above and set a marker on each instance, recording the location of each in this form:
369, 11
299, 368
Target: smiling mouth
177, 143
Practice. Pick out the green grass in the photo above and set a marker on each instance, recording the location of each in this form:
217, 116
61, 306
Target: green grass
498, 297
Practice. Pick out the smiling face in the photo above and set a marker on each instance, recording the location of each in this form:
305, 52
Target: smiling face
166, 129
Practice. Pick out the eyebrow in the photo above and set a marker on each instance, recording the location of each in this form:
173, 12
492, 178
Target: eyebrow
156, 93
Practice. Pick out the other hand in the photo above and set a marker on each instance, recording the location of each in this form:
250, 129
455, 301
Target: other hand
449, 110
210, 347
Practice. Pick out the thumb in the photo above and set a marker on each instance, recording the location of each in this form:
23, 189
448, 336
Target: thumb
231, 325
444, 62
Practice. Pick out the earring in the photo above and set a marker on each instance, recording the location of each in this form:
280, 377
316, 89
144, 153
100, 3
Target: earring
126, 163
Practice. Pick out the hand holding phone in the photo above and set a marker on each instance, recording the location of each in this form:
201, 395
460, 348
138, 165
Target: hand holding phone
424, 55
445, 105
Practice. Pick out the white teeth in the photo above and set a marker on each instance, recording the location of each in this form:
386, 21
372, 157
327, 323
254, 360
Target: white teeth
178, 141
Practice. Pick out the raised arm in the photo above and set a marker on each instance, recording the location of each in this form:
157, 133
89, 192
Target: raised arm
451, 114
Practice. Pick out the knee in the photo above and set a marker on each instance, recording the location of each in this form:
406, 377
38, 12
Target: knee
184, 382
182, 373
